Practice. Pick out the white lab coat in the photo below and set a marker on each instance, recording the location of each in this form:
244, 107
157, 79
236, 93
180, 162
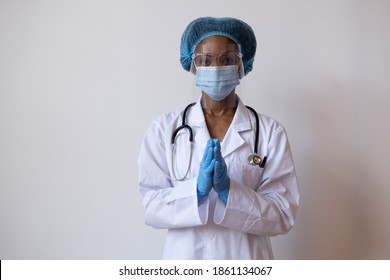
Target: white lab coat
261, 202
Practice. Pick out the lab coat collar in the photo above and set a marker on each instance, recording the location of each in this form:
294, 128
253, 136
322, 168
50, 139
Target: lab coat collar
196, 115
233, 139
234, 136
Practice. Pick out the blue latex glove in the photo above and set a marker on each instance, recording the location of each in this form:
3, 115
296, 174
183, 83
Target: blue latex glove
221, 181
205, 176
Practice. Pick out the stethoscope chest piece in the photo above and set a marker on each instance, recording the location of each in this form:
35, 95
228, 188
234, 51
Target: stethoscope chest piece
255, 159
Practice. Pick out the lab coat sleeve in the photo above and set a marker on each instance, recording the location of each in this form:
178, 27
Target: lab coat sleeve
271, 208
166, 205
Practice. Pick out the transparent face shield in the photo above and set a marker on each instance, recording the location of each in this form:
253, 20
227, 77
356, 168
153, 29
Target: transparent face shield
216, 55
219, 56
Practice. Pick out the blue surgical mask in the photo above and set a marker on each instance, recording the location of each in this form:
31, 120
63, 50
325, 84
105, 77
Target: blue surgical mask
217, 82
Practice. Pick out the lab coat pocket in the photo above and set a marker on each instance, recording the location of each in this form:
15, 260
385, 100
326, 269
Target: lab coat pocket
245, 174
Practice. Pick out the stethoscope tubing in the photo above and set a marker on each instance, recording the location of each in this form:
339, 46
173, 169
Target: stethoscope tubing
257, 128
183, 126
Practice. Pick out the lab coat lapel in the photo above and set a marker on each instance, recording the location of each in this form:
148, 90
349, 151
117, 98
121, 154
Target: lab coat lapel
198, 123
233, 138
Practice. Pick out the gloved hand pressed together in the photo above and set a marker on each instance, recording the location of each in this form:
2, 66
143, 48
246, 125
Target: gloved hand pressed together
213, 173
221, 181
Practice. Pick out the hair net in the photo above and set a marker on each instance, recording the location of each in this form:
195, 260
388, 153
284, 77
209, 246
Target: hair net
236, 30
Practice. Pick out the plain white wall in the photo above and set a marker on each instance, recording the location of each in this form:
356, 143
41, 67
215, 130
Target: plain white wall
80, 81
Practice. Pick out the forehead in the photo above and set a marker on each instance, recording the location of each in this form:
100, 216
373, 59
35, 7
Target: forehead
217, 44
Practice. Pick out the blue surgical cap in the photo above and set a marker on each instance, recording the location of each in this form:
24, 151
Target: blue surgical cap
235, 29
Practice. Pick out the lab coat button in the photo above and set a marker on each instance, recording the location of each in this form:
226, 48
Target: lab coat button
210, 235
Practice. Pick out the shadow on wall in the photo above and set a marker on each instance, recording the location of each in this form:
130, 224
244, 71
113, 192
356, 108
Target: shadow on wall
344, 197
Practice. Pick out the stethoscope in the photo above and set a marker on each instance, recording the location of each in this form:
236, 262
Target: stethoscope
253, 159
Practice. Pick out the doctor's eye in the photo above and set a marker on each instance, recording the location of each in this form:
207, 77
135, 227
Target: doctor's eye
203, 60
228, 59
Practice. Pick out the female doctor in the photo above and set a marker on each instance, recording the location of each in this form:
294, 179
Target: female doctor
218, 176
